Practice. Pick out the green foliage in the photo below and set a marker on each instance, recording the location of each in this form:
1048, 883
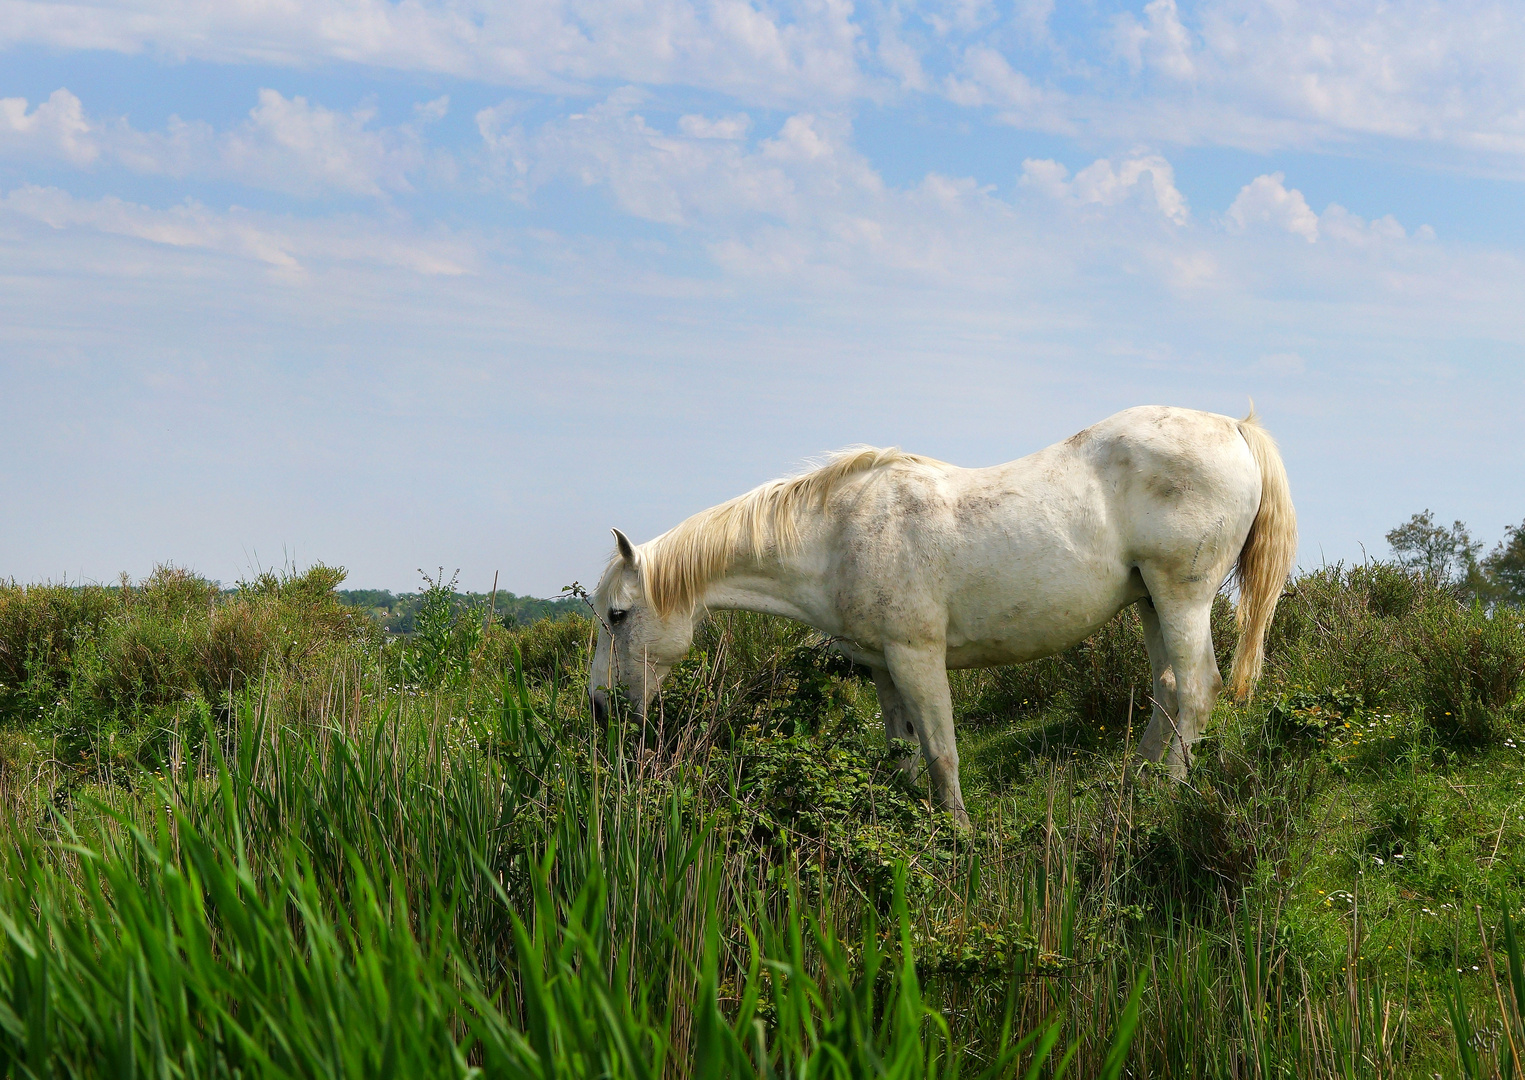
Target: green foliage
844, 801
398, 612
1447, 555
553, 650
1471, 666
1505, 567
1401, 642
1346, 627
260, 919
244, 832
117, 675
444, 636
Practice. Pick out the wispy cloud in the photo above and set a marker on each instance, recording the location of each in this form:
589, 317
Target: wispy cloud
1236, 72
285, 144
281, 244
762, 54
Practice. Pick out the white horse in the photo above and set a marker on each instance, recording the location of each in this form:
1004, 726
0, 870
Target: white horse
916, 566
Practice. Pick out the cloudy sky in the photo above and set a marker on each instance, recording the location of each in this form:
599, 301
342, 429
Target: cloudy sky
464, 282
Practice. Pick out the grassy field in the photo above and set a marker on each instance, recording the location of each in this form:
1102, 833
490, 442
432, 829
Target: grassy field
251, 834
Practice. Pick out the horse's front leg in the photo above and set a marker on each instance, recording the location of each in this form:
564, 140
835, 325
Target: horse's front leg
920, 677
897, 720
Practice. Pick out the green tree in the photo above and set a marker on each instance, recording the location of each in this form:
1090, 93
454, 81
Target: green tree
1444, 554
1505, 567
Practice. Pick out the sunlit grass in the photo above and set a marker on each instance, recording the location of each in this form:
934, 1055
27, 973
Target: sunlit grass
365, 861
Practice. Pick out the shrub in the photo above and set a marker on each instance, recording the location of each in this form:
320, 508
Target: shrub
127, 664
240, 641
1471, 665
174, 592
1343, 627
838, 804
42, 628
552, 649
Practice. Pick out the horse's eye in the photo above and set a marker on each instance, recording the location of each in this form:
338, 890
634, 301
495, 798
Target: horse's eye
617, 615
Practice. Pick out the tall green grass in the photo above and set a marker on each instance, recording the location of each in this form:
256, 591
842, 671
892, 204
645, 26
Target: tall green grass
507, 897
422, 856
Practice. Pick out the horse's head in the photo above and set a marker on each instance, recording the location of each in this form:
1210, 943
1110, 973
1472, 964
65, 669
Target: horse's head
637, 644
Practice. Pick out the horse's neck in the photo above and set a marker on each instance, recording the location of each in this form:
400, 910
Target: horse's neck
791, 585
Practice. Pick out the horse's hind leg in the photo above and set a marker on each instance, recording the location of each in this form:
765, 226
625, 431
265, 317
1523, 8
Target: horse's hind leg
921, 679
897, 721
1185, 631
1158, 734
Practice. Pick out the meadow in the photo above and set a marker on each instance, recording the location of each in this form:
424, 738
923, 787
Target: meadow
252, 833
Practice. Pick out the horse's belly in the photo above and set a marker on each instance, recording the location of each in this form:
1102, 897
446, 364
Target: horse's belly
1036, 622
1019, 647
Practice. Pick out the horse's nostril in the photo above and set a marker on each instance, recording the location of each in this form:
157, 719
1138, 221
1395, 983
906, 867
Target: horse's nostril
600, 708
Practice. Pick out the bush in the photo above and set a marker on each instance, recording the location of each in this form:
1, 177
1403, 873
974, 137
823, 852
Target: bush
835, 805
1471, 664
41, 630
1399, 641
123, 666
552, 649
1344, 627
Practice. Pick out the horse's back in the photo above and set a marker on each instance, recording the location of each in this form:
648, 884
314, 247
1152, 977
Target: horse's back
1022, 559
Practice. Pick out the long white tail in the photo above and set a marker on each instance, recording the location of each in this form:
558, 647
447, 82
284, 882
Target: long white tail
1266, 558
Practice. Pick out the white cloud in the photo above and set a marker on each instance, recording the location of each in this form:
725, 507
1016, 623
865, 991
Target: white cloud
1164, 42
952, 17
990, 80
1105, 182
1254, 73
284, 245
1047, 176
1266, 200
430, 112
724, 127
793, 51
57, 127
1340, 224
798, 207
290, 144
986, 77
801, 209
898, 57
702, 173
287, 144
1304, 73
1258, 73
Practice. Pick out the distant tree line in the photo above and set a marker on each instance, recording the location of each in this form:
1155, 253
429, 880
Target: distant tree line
398, 612
1448, 554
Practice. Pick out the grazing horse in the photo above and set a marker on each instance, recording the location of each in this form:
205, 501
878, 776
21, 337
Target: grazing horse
916, 566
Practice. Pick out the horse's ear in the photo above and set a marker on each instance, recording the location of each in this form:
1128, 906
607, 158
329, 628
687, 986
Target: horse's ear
627, 549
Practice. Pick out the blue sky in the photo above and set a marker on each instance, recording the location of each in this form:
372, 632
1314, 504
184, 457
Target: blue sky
401, 285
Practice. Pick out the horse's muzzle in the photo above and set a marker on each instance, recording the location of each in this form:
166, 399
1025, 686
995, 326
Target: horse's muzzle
600, 702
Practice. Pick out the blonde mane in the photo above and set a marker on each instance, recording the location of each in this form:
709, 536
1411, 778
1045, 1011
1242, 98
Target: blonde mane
678, 565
